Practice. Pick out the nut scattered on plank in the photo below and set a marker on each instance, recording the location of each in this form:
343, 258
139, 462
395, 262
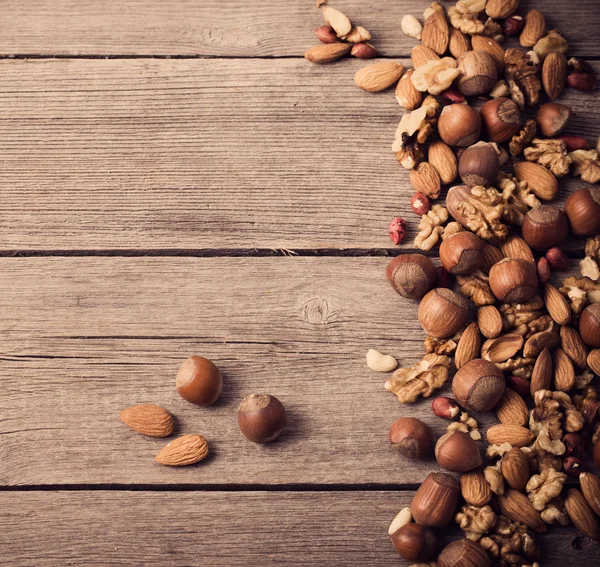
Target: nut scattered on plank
149, 419
185, 450
379, 362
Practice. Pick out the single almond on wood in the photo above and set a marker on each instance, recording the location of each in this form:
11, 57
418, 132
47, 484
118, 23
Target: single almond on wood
564, 372
502, 348
541, 377
491, 47
512, 409
406, 94
581, 514
557, 305
425, 179
469, 346
515, 468
541, 181
489, 320
575, 349
515, 435
590, 486
538, 342
421, 55
554, 74
459, 43
519, 508
338, 21
534, 30
436, 33
443, 159
327, 53
149, 419
475, 488
516, 247
185, 450
378, 76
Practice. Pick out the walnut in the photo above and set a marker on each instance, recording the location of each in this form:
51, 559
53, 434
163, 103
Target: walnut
500, 90
589, 268
573, 419
477, 288
497, 451
464, 20
517, 197
430, 227
452, 228
544, 487
555, 512
546, 417
549, 43
586, 164
466, 424
475, 520
587, 404
583, 380
495, 479
521, 140
421, 379
483, 212
526, 319
552, 154
513, 544
522, 76
442, 346
493, 29
580, 292
436, 75
518, 366
413, 131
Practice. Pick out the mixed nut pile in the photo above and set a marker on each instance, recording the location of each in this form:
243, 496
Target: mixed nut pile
533, 351
261, 417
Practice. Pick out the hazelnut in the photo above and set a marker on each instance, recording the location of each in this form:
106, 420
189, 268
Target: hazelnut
443, 312
420, 204
514, 26
573, 466
411, 275
585, 82
456, 451
261, 418
434, 503
478, 385
575, 445
574, 143
479, 73
552, 118
462, 253
445, 407
589, 325
463, 553
583, 211
199, 381
415, 542
513, 280
502, 119
543, 270
519, 385
596, 455
479, 165
411, 437
459, 125
544, 227
557, 259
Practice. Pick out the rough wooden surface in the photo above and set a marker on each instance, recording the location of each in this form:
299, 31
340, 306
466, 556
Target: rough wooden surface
202, 154
172, 529
232, 28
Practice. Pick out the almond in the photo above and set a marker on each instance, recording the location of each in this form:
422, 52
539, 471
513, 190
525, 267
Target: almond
338, 21
185, 450
557, 305
459, 43
489, 320
444, 160
512, 409
520, 509
571, 343
407, 96
501, 9
538, 342
541, 377
426, 180
475, 488
421, 55
590, 486
554, 74
491, 47
581, 514
593, 361
516, 435
502, 348
149, 419
515, 468
469, 346
357, 34
378, 76
327, 53
541, 181
534, 30
564, 373
436, 33
491, 255
516, 247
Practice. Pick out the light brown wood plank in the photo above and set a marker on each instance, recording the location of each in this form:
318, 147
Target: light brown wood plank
200, 154
233, 28
53, 529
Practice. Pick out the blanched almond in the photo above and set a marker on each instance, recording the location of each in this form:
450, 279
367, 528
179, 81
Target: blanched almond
338, 21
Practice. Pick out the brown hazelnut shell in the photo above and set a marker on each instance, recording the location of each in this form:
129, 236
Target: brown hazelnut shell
199, 381
552, 118
463, 553
513, 280
479, 165
411, 275
501, 118
261, 418
583, 211
478, 385
589, 325
544, 227
479, 73
411, 437
415, 542
596, 455
459, 125
443, 312
434, 503
457, 452
462, 253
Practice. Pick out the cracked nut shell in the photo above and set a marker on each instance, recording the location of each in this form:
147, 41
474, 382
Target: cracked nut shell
261, 418
411, 275
545, 227
199, 381
583, 211
411, 437
478, 385
513, 280
462, 253
443, 312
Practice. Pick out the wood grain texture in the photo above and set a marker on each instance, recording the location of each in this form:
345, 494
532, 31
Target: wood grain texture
180, 529
233, 28
201, 154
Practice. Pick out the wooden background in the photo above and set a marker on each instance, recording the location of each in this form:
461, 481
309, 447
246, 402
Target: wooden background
175, 179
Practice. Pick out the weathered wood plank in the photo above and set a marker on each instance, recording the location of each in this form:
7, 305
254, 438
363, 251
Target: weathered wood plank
234, 28
199, 154
177, 529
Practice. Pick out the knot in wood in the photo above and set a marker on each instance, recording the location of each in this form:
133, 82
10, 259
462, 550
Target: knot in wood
316, 311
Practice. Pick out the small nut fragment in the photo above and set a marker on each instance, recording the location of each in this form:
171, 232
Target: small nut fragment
445, 407
411, 26
380, 362
338, 21
551, 43
402, 518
